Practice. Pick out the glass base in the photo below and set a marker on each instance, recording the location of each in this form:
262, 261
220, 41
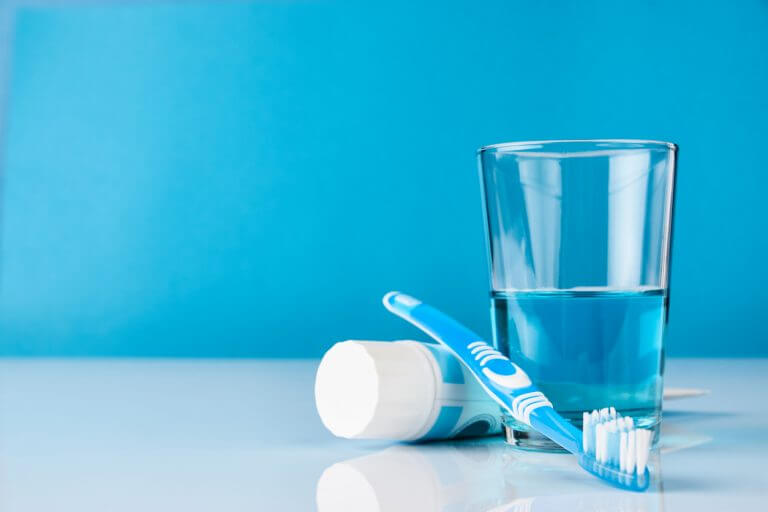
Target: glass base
523, 437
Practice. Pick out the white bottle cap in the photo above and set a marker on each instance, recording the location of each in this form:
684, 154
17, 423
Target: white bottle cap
375, 390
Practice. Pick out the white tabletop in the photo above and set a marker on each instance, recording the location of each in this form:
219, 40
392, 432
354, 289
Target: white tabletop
244, 435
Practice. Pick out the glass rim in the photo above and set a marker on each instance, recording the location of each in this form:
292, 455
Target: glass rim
534, 148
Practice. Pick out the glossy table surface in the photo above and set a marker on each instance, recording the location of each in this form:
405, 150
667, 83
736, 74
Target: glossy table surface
191, 435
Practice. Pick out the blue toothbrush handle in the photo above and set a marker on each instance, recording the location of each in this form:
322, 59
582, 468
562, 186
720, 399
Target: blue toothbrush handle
503, 380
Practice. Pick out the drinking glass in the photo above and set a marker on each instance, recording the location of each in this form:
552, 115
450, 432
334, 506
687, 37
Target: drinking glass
579, 236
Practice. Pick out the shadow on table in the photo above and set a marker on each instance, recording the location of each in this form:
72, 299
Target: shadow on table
692, 416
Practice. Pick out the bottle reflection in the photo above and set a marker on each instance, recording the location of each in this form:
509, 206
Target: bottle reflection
404, 478
473, 476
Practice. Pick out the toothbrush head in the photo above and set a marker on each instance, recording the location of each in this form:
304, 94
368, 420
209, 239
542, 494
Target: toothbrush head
614, 450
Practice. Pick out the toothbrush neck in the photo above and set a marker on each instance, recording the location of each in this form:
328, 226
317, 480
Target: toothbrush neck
555, 427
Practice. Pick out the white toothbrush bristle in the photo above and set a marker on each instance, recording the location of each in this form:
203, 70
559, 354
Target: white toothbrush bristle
623, 451
613, 440
643, 441
598, 442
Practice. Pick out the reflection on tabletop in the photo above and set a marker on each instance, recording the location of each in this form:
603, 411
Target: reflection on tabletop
484, 475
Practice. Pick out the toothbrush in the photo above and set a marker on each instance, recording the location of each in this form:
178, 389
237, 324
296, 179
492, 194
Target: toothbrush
609, 447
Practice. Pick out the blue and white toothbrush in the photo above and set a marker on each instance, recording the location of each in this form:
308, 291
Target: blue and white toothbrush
609, 447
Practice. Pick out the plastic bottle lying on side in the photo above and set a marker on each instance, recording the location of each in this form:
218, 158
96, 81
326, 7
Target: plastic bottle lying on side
400, 390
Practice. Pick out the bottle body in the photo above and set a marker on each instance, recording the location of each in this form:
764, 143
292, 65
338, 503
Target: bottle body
402, 390
461, 407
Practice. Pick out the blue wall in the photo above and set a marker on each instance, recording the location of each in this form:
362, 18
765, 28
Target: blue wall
247, 179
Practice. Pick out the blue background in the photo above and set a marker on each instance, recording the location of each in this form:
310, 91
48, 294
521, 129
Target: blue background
248, 179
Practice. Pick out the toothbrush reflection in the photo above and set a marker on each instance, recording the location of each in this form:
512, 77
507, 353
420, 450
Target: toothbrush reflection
484, 475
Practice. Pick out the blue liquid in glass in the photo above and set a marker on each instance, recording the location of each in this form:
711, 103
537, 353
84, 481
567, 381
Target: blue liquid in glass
587, 349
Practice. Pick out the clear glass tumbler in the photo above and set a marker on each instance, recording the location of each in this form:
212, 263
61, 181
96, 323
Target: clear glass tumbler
579, 235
